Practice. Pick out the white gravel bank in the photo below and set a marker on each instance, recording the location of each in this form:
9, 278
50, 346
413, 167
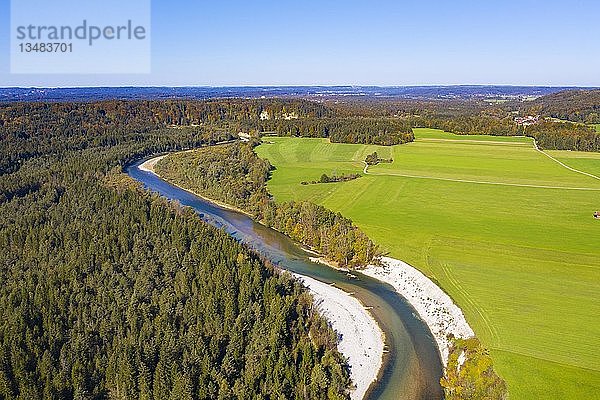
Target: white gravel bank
434, 306
148, 166
361, 339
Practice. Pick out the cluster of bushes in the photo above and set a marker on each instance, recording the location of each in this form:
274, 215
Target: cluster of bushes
234, 174
373, 159
332, 179
470, 373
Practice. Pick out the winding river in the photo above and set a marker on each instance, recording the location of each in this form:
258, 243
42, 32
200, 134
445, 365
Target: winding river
411, 367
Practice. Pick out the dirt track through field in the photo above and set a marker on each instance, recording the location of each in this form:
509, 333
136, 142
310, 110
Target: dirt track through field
563, 164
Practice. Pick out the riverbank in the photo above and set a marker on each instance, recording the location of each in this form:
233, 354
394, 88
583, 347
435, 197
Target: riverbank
324, 261
434, 306
149, 166
360, 338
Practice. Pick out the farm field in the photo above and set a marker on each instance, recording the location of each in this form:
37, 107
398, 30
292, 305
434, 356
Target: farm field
505, 230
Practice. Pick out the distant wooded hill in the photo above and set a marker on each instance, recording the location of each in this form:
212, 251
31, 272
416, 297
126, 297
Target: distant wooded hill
316, 92
573, 105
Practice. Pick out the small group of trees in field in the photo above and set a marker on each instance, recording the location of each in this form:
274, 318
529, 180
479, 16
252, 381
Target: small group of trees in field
470, 373
332, 179
373, 159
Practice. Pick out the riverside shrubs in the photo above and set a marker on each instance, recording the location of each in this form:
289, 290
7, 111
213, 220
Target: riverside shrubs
234, 174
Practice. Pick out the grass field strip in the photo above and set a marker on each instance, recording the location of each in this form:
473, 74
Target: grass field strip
437, 178
467, 141
472, 304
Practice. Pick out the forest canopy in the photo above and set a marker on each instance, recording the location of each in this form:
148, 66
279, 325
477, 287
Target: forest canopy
107, 291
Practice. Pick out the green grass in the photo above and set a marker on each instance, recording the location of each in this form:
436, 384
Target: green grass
423, 134
522, 262
597, 126
583, 161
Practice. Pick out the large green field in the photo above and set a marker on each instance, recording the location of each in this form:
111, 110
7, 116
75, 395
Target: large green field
505, 230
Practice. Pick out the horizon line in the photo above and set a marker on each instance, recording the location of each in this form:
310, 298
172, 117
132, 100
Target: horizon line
297, 86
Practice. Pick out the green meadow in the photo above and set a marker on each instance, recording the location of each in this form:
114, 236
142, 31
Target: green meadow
505, 230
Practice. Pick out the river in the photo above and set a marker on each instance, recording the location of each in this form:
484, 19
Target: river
411, 367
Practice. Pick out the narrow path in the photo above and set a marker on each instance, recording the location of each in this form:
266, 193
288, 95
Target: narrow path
563, 164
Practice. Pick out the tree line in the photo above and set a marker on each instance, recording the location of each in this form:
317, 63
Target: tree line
549, 135
379, 131
332, 179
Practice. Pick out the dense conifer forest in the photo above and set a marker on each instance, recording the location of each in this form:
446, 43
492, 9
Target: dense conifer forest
107, 291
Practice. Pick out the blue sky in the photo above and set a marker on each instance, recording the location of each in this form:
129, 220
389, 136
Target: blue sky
264, 42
